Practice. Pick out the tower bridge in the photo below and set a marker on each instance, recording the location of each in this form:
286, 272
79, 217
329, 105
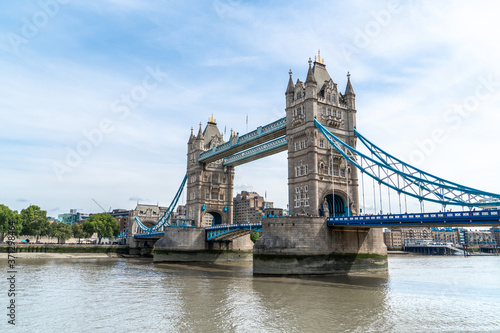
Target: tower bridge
324, 233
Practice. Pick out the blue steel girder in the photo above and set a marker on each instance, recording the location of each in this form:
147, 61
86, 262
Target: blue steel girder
231, 231
239, 143
150, 235
166, 216
269, 148
440, 219
405, 179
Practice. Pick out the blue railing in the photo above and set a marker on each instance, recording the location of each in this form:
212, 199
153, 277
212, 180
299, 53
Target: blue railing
473, 218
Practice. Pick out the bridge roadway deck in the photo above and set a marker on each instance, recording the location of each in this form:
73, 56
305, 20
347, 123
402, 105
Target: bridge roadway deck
213, 234
447, 219
261, 135
231, 231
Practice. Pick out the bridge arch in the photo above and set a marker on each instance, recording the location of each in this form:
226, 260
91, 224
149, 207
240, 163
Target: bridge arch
329, 206
215, 216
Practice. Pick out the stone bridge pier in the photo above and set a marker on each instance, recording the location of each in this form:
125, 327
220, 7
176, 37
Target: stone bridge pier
305, 245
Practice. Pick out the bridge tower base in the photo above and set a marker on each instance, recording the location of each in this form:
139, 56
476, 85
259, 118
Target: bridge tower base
188, 244
305, 245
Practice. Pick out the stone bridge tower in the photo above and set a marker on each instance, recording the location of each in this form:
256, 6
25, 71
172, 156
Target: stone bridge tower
209, 186
311, 161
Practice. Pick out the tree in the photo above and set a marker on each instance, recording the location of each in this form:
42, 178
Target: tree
34, 222
60, 230
254, 236
78, 232
103, 224
9, 221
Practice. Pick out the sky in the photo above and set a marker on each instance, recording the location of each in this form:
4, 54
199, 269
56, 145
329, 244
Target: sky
97, 98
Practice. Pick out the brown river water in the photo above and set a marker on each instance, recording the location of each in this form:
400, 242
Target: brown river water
419, 294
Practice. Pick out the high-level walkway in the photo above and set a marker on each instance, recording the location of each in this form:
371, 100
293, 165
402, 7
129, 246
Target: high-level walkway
260, 137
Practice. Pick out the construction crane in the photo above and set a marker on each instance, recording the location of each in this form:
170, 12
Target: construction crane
101, 206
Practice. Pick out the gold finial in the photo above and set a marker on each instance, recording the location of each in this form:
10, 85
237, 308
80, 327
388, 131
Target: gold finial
212, 120
318, 58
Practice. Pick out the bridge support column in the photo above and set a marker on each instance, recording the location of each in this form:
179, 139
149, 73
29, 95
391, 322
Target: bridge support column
305, 245
189, 244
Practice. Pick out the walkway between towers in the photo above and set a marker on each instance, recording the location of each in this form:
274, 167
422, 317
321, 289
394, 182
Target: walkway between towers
265, 140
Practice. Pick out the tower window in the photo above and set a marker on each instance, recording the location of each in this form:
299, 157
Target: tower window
321, 143
335, 170
215, 178
323, 111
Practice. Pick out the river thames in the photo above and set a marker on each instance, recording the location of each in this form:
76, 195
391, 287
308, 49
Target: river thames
419, 294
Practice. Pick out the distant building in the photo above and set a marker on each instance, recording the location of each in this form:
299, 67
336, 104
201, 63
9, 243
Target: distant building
446, 235
496, 234
72, 217
393, 238
122, 216
399, 237
207, 220
249, 207
479, 238
415, 235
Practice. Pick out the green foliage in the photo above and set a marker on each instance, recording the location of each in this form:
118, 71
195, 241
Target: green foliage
254, 236
34, 222
7, 217
103, 224
77, 231
60, 230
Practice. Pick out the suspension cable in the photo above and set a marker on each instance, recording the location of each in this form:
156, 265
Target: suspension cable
363, 187
380, 192
389, 195
333, 188
347, 187
399, 196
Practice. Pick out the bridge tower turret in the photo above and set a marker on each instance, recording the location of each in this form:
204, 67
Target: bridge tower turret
209, 186
311, 161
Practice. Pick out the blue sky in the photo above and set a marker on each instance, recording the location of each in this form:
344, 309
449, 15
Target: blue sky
426, 77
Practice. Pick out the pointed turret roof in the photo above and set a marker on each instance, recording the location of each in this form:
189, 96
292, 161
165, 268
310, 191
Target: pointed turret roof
212, 132
348, 88
290, 88
310, 76
200, 134
319, 70
191, 137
